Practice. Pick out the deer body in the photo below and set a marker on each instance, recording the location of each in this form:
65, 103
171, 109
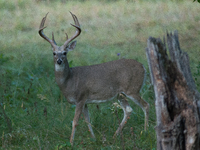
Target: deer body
99, 83
94, 82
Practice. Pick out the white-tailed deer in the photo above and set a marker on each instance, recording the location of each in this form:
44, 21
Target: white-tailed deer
96, 83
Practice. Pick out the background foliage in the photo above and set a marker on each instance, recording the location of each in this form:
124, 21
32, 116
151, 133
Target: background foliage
34, 114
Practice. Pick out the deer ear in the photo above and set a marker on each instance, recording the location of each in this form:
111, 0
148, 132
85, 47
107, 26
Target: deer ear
71, 46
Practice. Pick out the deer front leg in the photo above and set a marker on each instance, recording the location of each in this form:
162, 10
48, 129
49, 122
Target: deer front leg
78, 111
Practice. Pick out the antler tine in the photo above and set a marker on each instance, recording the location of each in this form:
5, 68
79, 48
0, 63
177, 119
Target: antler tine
53, 39
74, 17
42, 22
76, 21
77, 25
78, 30
41, 33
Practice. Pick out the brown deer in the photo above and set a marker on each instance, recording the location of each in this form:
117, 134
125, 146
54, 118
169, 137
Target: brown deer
96, 83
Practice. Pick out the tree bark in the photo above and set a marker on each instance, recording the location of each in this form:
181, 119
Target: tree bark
177, 99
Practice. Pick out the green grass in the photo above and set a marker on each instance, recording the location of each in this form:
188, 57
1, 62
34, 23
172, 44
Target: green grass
27, 84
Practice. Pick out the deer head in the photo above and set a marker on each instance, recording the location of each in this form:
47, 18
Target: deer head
60, 52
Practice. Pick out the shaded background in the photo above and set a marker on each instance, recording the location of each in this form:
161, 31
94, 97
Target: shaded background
34, 114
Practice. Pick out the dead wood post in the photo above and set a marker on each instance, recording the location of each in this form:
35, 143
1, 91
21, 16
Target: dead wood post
177, 99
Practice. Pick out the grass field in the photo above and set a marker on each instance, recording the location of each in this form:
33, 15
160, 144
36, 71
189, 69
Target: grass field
38, 116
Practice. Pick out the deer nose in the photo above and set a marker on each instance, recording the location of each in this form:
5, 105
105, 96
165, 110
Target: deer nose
59, 61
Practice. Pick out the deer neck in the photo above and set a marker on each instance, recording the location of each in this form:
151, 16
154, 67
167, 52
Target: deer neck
62, 73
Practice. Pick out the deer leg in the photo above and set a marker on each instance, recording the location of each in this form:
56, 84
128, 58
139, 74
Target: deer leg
87, 119
145, 107
127, 112
78, 111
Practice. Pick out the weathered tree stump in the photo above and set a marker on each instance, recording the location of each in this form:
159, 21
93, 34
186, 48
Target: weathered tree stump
177, 99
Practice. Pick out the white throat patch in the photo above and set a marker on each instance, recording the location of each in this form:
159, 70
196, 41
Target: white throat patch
59, 67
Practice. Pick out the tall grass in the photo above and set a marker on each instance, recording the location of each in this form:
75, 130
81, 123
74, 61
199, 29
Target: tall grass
38, 114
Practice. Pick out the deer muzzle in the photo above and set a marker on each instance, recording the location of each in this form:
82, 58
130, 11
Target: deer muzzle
59, 61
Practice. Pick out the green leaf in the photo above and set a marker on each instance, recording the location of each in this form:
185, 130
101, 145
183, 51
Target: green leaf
35, 138
70, 63
60, 146
68, 144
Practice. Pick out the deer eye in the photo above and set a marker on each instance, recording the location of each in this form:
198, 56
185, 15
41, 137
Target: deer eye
64, 53
54, 53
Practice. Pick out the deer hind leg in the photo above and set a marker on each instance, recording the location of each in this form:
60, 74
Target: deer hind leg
78, 111
87, 119
144, 105
127, 112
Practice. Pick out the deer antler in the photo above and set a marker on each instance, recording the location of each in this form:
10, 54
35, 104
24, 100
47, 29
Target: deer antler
52, 42
77, 33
